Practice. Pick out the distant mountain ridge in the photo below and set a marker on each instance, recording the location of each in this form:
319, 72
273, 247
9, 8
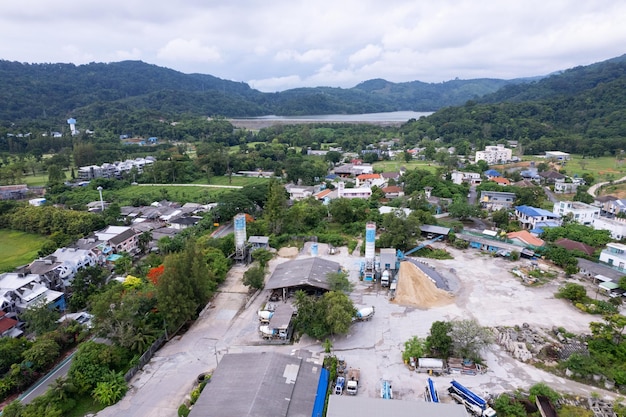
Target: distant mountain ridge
53, 91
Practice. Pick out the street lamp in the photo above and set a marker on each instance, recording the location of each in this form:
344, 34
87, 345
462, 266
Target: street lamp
101, 200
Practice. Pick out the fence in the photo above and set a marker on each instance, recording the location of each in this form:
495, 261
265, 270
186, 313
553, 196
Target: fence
145, 358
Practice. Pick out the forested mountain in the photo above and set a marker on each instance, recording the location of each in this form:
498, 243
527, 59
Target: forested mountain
582, 110
56, 91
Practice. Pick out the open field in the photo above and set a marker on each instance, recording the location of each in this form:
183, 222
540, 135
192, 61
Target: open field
603, 169
618, 190
394, 166
235, 180
35, 180
18, 248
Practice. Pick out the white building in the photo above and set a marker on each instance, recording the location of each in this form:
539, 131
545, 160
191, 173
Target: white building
558, 155
361, 192
472, 178
581, 213
615, 256
114, 170
58, 270
616, 226
20, 291
494, 154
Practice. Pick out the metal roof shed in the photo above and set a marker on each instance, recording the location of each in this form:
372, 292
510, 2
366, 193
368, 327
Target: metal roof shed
309, 272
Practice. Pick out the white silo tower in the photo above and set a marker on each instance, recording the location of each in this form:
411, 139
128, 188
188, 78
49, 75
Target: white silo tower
370, 251
72, 123
240, 237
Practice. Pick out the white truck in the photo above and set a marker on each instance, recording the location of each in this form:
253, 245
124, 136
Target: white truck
385, 278
474, 403
365, 314
352, 384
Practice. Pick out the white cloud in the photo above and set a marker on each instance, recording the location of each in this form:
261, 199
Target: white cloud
370, 52
188, 50
289, 42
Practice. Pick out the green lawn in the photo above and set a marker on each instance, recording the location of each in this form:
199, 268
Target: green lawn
35, 180
603, 169
18, 248
235, 180
394, 166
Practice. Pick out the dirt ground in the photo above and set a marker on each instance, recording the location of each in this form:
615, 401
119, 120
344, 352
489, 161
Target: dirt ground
417, 290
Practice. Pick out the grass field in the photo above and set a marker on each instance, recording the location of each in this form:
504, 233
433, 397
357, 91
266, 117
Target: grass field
603, 169
394, 166
35, 180
235, 180
18, 248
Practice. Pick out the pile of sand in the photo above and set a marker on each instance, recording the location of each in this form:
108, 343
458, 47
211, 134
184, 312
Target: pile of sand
417, 290
288, 252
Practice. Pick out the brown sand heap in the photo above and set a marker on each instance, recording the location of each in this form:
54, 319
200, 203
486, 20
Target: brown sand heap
416, 289
288, 252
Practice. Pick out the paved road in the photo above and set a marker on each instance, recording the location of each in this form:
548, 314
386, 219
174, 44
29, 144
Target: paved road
42, 385
592, 190
550, 195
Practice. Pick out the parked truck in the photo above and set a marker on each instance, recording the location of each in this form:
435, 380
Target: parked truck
385, 278
474, 403
265, 316
339, 385
352, 383
386, 392
431, 394
364, 314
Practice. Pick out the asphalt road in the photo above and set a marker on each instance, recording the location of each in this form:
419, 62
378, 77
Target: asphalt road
594, 188
42, 385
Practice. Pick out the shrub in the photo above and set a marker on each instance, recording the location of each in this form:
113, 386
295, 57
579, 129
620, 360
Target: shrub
183, 411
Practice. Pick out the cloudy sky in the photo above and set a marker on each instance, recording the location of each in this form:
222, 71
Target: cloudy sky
278, 44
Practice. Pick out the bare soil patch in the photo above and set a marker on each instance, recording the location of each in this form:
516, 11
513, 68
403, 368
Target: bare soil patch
288, 252
417, 290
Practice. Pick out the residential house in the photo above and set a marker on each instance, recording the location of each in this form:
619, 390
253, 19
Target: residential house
615, 207
299, 192
616, 226
9, 326
602, 202
494, 154
571, 245
114, 170
391, 176
491, 174
361, 192
19, 291
369, 180
393, 191
326, 195
58, 269
558, 155
525, 238
614, 256
496, 200
530, 174
181, 223
563, 187
472, 178
535, 219
501, 181
581, 213
119, 238
550, 177
316, 152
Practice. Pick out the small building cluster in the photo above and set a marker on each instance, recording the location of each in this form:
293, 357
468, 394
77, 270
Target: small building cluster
114, 170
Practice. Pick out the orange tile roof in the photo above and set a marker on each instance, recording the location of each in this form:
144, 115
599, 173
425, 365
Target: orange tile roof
501, 180
368, 176
323, 193
526, 237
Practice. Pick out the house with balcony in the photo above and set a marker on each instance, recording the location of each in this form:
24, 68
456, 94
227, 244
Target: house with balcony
491, 174
393, 191
19, 291
602, 202
369, 180
536, 219
614, 256
564, 187
300, 192
119, 238
58, 269
581, 213
496, 200
615, 207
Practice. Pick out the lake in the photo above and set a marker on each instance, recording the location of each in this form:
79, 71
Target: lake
387, 118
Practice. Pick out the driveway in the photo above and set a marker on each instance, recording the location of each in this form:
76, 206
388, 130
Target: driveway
484, 289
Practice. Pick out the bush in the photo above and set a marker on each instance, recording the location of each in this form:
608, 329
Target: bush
254, 278
183, 411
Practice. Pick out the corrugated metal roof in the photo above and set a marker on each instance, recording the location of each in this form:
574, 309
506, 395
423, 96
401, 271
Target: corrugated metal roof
344, 405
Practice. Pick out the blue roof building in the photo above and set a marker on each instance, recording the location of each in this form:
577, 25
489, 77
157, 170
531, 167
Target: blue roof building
492, 173
536, 219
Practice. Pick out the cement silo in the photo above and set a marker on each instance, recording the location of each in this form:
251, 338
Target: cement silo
240, 237
370, 252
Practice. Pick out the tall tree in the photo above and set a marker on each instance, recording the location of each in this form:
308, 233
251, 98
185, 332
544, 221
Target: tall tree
276, 206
